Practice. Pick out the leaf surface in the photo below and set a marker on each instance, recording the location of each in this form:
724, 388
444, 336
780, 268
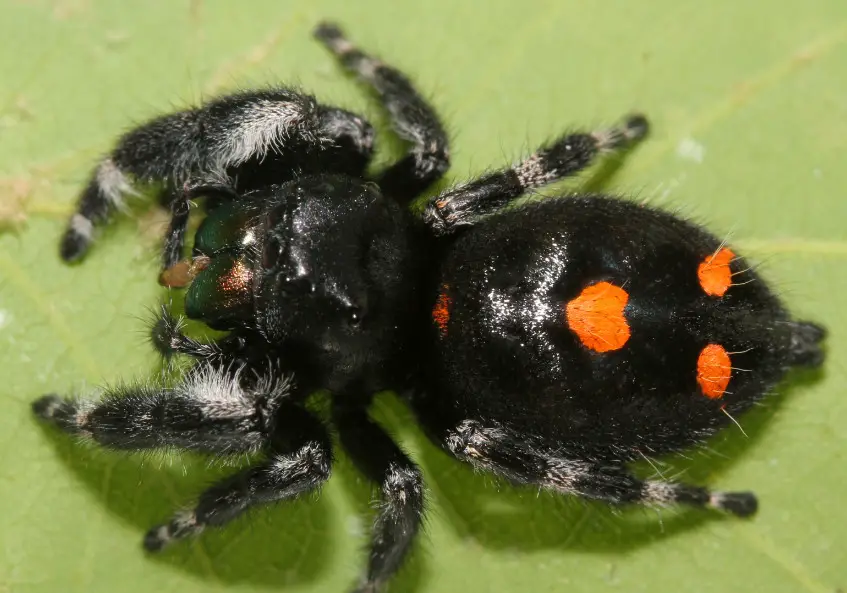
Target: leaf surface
749, 106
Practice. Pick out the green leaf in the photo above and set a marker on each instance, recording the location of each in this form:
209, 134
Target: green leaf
749, 105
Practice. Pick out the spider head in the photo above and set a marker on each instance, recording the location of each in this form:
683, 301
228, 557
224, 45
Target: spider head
318, 261
332, 252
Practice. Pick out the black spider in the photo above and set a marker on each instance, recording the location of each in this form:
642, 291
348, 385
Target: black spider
550, 343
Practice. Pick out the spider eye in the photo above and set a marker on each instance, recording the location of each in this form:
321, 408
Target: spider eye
298, 286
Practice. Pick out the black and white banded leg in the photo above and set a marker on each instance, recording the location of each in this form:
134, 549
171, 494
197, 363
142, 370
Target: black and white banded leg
217, 140
208, 411
413, 118
571, 153
299, 460
401, 507
504, 452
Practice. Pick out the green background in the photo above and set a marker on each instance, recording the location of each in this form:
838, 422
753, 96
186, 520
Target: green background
749, 105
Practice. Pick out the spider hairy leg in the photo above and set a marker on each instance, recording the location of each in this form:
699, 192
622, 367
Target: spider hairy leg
225, 137
402, 501
413, 118
299, 460
223, 133
508, 454
207, 411
566, 156
168, 339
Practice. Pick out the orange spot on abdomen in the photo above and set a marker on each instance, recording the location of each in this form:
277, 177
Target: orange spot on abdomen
596, 317
714, 273
714, 370
441, 310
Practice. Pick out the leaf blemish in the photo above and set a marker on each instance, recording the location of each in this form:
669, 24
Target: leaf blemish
691, 150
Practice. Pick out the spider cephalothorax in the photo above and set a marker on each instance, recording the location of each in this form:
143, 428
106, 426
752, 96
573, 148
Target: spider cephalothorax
549, 343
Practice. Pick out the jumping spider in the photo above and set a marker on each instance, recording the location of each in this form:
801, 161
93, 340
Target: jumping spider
550, 343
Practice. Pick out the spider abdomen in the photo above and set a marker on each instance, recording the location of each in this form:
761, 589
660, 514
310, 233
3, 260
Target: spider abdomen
589, 320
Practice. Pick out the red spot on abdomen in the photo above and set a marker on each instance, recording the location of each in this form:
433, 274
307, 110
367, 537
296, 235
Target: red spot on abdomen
441, 310
714, 370
714, 273
596, 317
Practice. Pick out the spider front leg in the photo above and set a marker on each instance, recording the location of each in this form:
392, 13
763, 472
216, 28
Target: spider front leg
221, 139
569, 154
399, 517
502, 451
413, 118
208, 411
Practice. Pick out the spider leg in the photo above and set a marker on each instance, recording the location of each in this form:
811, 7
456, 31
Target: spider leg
227, 137
227, 354
168, 339
461, 205
353, 142
299, 460
504, 452
402, 505
413, 118
207, 411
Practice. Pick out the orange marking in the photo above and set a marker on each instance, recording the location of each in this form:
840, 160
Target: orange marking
714, 273
713, 371
441, 310
596, 317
